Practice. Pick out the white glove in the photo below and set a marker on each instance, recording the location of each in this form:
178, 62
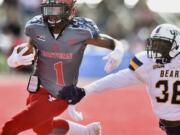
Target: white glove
75, 115
17, 59
114, 58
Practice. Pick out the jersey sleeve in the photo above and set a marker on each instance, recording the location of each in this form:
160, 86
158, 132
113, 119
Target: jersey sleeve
135, 63
86, 24
140, 64
28, 29
31, 25
93, 28
121, 79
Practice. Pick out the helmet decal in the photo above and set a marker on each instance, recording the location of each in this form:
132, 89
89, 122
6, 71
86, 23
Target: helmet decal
157, 31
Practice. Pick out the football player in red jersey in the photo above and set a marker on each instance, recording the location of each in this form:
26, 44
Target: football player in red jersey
60, 39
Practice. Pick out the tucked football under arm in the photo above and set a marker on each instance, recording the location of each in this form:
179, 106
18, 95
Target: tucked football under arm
22, 55
121, 79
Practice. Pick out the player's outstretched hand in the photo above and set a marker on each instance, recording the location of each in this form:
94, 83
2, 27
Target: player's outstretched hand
114, 58
72, 94
17, 59
75, 115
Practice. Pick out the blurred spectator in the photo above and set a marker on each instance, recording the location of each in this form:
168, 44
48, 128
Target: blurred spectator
10, 37
29, 8
11, 10
113, 17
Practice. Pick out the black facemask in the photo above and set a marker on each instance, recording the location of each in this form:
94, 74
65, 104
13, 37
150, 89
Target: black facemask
60, 12
159, 49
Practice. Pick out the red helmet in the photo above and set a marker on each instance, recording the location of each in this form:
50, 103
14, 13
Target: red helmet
63, 9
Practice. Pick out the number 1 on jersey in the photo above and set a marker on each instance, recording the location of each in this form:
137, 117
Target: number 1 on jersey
59, 73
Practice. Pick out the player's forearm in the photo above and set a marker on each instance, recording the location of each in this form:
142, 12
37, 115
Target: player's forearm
104, 41
120, 79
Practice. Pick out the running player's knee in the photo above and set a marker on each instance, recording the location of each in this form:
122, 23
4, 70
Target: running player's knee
41, 131
60, 127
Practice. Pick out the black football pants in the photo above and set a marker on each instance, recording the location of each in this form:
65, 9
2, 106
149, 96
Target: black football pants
173, 130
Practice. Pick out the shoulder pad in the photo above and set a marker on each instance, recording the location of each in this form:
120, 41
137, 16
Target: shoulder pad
33, 24
139, 60
86, 24
35, 20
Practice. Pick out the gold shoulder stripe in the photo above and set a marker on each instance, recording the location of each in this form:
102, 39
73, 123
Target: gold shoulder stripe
134, 64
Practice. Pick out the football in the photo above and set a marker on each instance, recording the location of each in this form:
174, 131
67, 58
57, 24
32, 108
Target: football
30, 50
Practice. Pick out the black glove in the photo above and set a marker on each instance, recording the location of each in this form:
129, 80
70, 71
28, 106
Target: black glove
72, 94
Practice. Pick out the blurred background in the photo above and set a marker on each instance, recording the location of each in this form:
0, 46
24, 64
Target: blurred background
128, 20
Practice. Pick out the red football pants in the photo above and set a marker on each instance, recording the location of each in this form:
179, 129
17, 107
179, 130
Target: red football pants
38, 115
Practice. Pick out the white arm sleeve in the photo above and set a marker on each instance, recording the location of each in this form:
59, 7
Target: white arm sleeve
120, 79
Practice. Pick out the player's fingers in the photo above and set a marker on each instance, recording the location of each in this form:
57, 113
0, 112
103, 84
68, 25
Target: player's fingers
114, 64
71, 107
27, 60
79, 116
27, 63
109, 66
30, 56
75, 115
106, 68
15, 49
23, 45
106, 57
34, 52
23, 51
